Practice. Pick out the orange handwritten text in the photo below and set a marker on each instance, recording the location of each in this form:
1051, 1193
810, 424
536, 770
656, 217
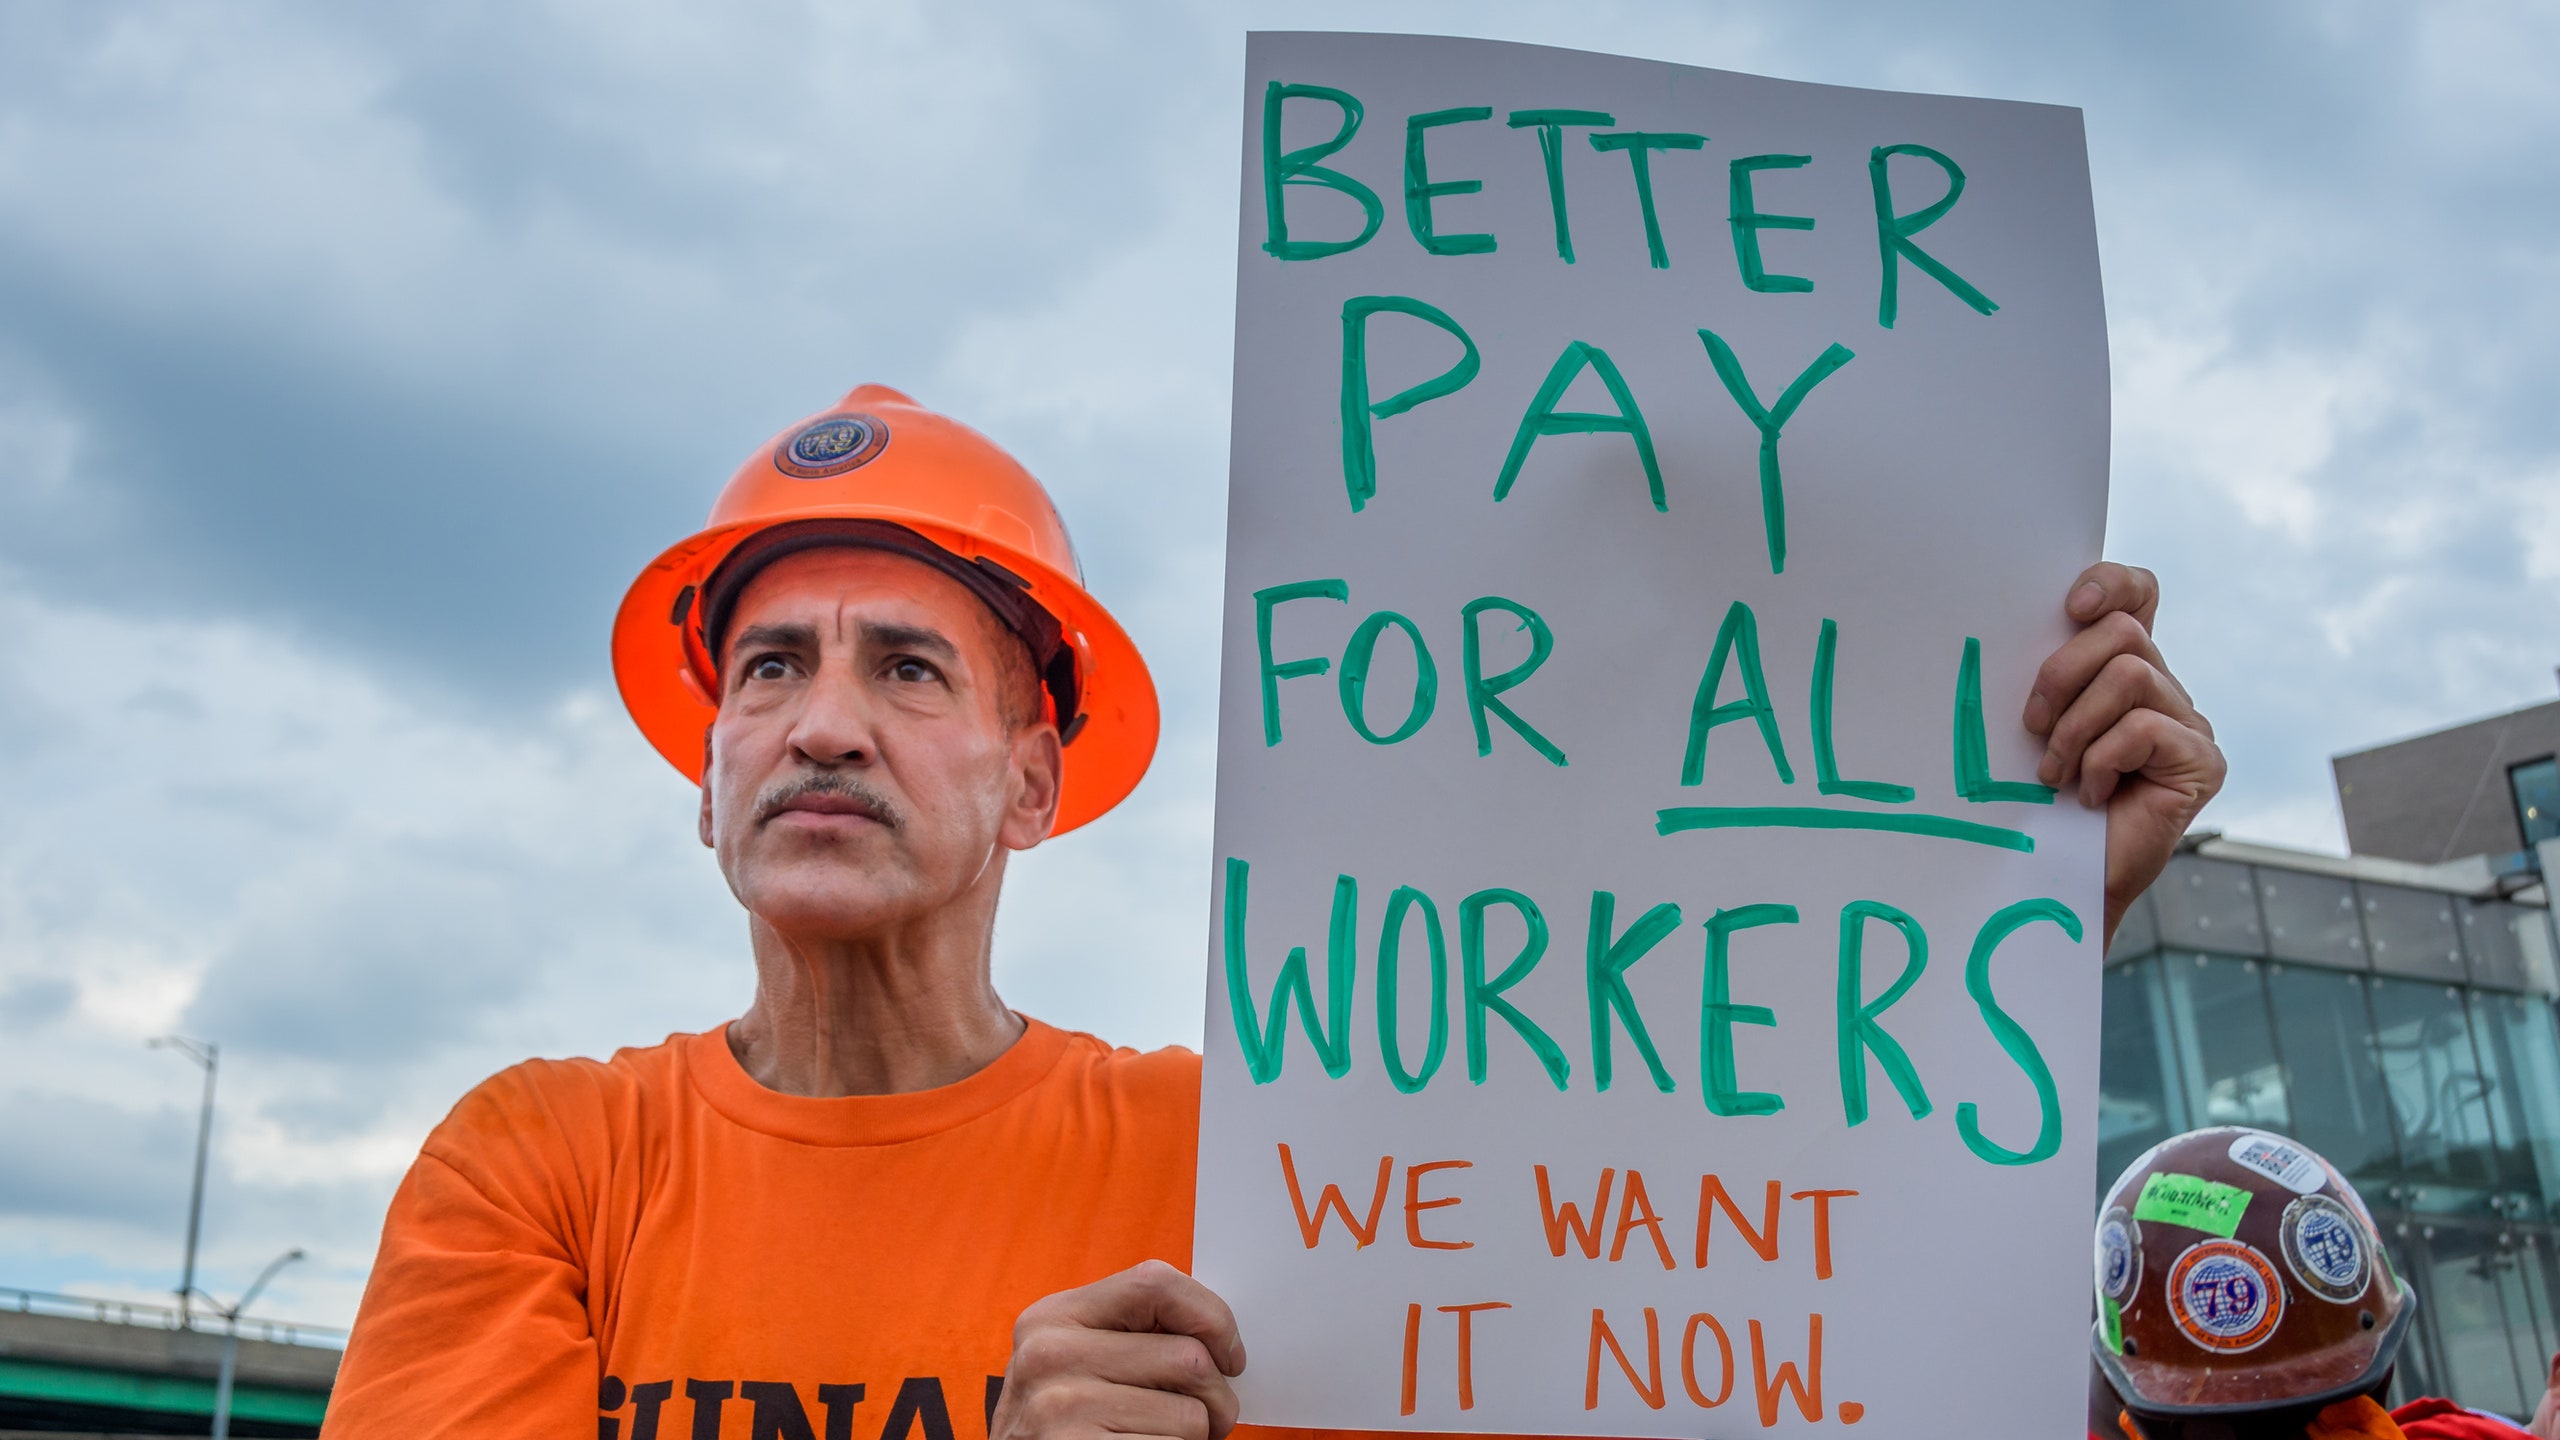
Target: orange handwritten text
1466, 1350
1560, 1219
1311, 1226
1649, 1384
1568, 1223
1467, 1347
1414, 1205
1768, 1390
1770, 1387
1635, 1212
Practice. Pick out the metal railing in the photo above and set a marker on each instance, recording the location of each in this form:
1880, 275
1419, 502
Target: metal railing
167, 1317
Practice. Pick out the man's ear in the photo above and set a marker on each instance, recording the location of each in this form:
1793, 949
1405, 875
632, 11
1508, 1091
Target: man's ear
702, 826
1039, 769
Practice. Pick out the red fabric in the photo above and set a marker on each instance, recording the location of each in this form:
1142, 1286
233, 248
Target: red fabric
2418, 1420
2444, 1420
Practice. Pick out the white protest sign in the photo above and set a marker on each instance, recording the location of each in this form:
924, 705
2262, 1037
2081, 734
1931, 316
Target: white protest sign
1648, 994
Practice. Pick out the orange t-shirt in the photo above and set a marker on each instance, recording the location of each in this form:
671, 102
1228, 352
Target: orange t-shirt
660, 1247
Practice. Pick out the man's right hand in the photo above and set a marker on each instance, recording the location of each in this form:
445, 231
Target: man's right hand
1146, 1352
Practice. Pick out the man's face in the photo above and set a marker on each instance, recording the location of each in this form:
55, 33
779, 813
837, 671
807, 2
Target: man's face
862, 768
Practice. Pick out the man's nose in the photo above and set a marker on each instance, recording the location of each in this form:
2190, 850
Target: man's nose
834, 723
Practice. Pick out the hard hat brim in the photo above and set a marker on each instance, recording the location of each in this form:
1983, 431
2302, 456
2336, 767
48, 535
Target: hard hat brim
669, 693
2140, 1399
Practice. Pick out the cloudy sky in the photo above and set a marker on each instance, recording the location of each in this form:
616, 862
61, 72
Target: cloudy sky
352, 359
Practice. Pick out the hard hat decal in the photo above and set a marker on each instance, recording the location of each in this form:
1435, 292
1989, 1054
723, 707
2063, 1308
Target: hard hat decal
2280, 1160
2119, 1255
2224, 1296
2192, 1201
831, 446
2326, 1249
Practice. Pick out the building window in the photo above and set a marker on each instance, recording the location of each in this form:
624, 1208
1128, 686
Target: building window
2137, 932
2473, 1283
2311, 918
2411, 932
2439, 1098
2521, 1053
2218, 1008
2509, 946
2332, 1074
2536, 787
2208, 904
2138, 1104
2419, 1371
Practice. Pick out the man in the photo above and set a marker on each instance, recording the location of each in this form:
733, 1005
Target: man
880, 1202
2244, 1294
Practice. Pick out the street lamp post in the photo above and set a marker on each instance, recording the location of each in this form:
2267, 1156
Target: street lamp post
208, 1056
231, 1340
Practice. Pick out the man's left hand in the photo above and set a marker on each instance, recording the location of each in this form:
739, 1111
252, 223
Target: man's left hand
2121, 731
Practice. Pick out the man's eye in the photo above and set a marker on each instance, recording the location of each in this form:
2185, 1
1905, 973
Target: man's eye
768, 667
910, 670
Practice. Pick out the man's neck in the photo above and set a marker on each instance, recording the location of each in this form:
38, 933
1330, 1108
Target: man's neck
883, 1015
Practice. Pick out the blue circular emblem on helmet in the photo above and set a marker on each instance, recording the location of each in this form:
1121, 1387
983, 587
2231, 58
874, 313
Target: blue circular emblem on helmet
831, 446
2119, 1255
2326, 1249
2223, 1296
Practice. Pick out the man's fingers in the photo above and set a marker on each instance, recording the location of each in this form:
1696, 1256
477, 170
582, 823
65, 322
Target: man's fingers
1146, 1352
2068, 670
1074, 1354
2120, 729
1135, 1410
1155, 1297
1178, 1365
1082, 1407
2128, 683
2108, 587
2157, 748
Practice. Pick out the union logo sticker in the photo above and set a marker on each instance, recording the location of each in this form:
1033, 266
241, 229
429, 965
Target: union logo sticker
2119, 1256
2326, 1249
2225, 1296
831, 446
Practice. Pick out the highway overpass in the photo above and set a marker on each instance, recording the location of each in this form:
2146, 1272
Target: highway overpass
101, 1367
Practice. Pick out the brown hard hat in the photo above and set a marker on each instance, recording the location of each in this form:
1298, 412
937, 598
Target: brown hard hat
2239, 1272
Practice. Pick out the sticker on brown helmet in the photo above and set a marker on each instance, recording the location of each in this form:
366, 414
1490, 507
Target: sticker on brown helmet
2225, 1296
2119, 1255
2280, 1160
2192, 1201
2327, 1249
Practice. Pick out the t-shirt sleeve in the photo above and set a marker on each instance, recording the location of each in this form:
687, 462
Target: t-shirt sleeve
475, 1320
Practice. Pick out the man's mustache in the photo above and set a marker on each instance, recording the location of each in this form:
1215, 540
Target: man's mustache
776, 798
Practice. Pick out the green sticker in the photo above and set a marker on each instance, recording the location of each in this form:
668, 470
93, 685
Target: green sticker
2111, 1325
2192, 1201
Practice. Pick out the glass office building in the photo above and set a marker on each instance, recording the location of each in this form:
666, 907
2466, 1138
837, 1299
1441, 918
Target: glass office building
2399, 1019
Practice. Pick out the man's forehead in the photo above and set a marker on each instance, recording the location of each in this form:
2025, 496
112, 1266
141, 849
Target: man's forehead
813, 587
821, 579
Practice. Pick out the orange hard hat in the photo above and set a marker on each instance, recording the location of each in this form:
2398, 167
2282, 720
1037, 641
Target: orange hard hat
880, 471
2239, 1274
